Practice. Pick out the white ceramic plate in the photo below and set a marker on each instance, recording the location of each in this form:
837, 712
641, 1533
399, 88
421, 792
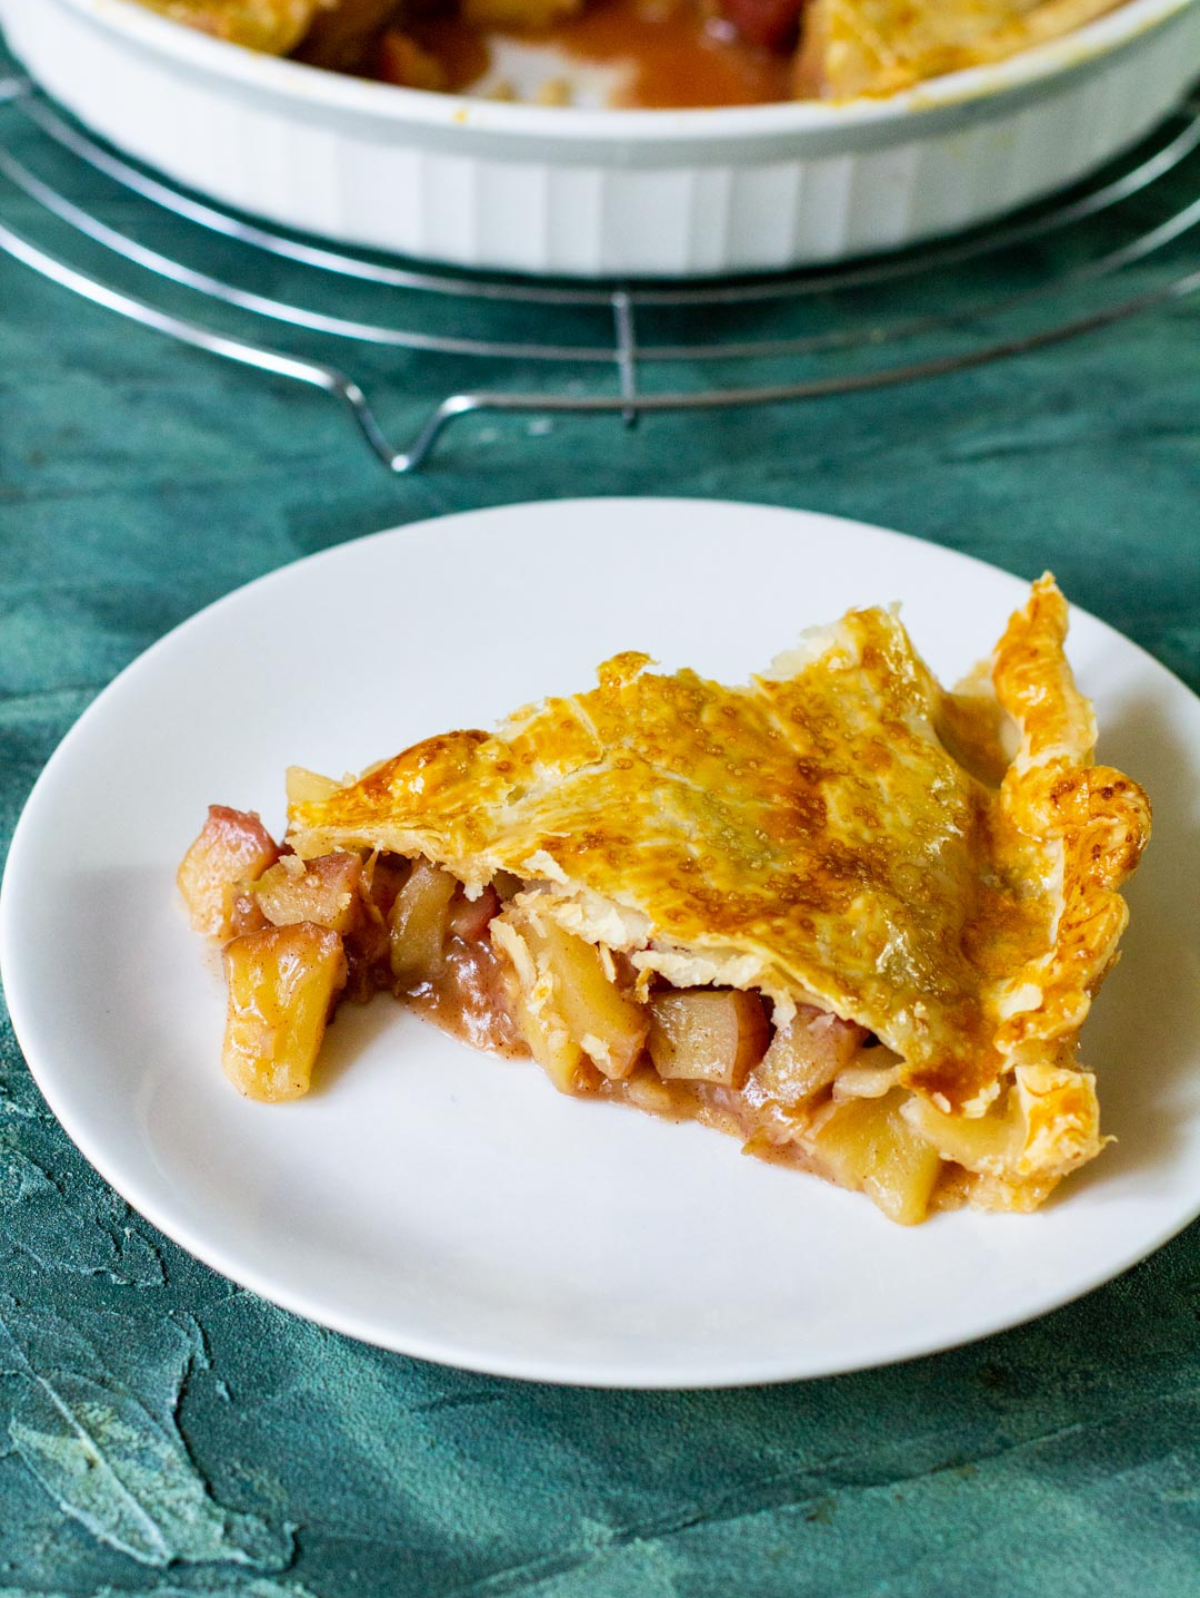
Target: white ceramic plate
454, 1206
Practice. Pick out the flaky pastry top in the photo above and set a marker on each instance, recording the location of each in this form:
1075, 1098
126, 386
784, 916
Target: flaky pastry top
878, 47
941, 868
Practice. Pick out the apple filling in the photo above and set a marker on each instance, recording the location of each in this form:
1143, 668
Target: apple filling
498, 972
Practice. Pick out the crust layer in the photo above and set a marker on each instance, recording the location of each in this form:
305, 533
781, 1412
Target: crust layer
878, 47
841, 831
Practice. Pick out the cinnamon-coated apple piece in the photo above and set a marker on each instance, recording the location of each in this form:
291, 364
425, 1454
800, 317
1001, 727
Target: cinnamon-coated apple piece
984, 1143
532, 998
233, 848
245, 914
469, 919
323, 890
283, 984
568, 1008
418, 925
707, 1035
868, 1144
806, 1055
610, 1028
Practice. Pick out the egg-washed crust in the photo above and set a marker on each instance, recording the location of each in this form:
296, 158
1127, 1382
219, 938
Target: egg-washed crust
878, 47
840, 830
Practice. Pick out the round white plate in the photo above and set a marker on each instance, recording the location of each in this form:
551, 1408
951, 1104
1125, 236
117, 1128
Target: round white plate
454, 1206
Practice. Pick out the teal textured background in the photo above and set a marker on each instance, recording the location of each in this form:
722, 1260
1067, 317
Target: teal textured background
163, 1432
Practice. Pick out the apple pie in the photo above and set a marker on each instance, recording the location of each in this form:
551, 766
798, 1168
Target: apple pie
840, 912
673, 52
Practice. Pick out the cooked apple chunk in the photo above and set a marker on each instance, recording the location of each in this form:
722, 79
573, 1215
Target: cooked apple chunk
984, 1144
806, 1055
283, 982
566, 1003
245, 913
541, 1026
868, 1144
707, 1035
324, 891
610, 1027
233, 848
867, 1078
469, 919
418, 924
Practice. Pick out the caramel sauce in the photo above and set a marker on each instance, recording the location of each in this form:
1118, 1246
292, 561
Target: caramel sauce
677, 60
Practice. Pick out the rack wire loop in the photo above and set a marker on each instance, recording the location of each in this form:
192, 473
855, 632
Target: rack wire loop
604, 333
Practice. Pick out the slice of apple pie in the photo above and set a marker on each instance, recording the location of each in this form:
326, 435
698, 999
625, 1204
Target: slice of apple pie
850, 917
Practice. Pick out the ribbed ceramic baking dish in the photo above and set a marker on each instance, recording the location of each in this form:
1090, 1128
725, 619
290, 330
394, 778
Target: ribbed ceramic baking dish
607, 193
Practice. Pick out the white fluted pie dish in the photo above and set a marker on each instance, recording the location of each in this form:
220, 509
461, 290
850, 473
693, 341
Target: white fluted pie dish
536, 189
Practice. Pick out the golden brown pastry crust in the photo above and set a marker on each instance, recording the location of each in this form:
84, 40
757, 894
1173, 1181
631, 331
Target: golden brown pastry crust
840, 830
878, 47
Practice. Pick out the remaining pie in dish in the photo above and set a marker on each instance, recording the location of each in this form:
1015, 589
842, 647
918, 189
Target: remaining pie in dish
850, 917
657, 53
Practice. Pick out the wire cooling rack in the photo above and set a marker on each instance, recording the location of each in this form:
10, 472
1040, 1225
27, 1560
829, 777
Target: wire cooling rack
272, 300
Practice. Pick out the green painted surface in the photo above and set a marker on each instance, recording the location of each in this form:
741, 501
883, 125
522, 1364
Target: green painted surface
163, 1432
